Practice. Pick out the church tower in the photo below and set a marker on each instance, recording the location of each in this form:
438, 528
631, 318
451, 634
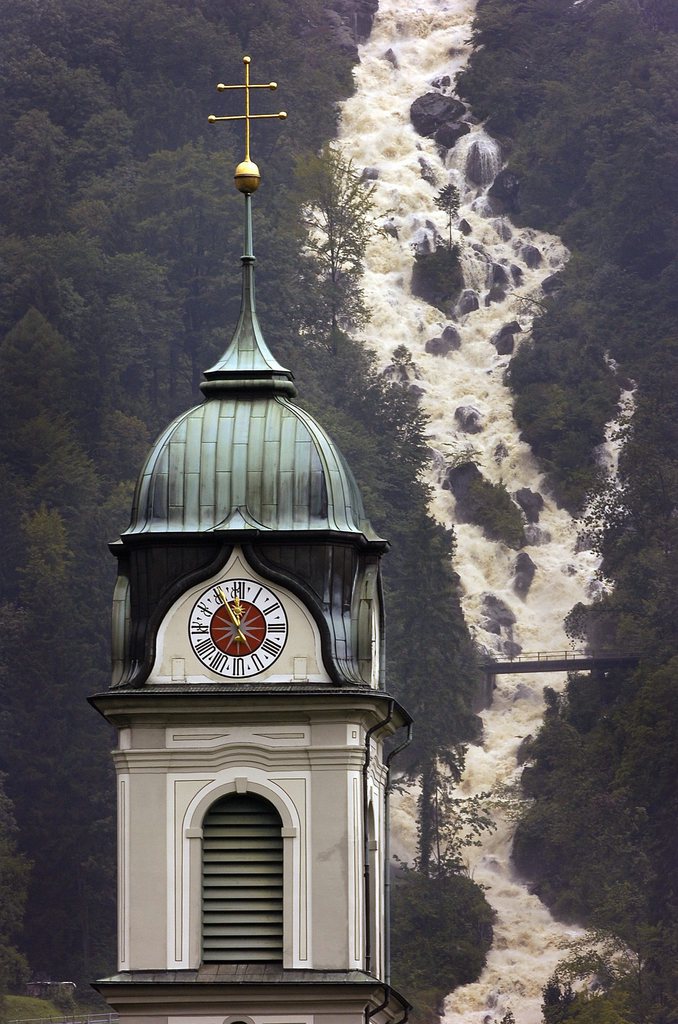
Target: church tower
249, 703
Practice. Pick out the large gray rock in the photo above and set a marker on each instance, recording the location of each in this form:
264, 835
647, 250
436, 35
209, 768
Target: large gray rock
536, 536
389, 228
448, 135
499, 275
448, 341
468, 302
552, 284
503, 229
465, 227
497, 611
483, 160
357, 17
469, 419
524, 751
495, 294
459, 479
503, 339
430, 112
505, 188
524, 571
531, 503
428, 172
530, 256
391, 58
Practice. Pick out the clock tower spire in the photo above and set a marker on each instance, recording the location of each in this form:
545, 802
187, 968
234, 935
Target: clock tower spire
249, 703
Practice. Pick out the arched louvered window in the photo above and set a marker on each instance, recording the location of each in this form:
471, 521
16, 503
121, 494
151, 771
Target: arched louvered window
242, 881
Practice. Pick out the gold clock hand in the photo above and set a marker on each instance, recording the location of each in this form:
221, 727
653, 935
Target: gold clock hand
234, 619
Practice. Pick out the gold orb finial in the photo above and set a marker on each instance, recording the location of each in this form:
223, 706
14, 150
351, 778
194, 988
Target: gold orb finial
247, 178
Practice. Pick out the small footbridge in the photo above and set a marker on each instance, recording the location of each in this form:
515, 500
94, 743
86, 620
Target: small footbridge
560, 661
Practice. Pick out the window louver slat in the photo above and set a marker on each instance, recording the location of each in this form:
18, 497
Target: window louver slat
242, 881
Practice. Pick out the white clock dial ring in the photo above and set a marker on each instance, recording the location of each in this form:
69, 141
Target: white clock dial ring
238, 628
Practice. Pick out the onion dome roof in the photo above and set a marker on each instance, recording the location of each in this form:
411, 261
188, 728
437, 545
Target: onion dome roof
246, 464
247, 458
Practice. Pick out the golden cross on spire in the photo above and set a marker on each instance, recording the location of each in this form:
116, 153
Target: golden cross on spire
247, 175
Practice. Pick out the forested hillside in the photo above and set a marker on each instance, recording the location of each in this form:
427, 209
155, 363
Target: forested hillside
119, 284
584, 100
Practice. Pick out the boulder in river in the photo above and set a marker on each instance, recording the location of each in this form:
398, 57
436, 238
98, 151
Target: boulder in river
505, 188
448, 341
465, 227
530, 256
428, 172
391, 58
503, 339
468, 302
357, 16
497, 611
495, 294
524, 751
499, 275
430, 112
469, 419
536, 536
531, 503
524, 571
448, 135
483, 160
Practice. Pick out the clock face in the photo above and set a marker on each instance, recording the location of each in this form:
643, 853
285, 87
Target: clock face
238, 628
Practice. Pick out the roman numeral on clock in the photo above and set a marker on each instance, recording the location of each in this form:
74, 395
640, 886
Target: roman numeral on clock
276, 627
270, 647
218, 660
205, 647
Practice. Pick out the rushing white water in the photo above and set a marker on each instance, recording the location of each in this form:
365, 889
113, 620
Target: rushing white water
427, 40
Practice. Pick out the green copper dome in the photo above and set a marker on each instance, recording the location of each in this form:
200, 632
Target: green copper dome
239, 463
247, 459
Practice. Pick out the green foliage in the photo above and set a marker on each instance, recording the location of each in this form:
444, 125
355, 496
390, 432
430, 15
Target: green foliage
448, 200
491, 507
337, 215
14, 872
437, 277
448, 824
584, 98
30, 1008
442, 930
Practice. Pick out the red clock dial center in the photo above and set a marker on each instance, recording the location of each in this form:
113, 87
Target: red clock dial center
245, 638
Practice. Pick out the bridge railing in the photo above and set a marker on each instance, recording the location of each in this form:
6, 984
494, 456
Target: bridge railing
572, 655
91, 1018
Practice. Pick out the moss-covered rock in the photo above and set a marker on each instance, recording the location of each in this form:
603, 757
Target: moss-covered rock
437, 277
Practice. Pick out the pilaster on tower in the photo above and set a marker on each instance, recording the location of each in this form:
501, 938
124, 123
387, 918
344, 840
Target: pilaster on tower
248, 698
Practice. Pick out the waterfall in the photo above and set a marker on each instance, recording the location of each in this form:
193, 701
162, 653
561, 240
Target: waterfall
417, 46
